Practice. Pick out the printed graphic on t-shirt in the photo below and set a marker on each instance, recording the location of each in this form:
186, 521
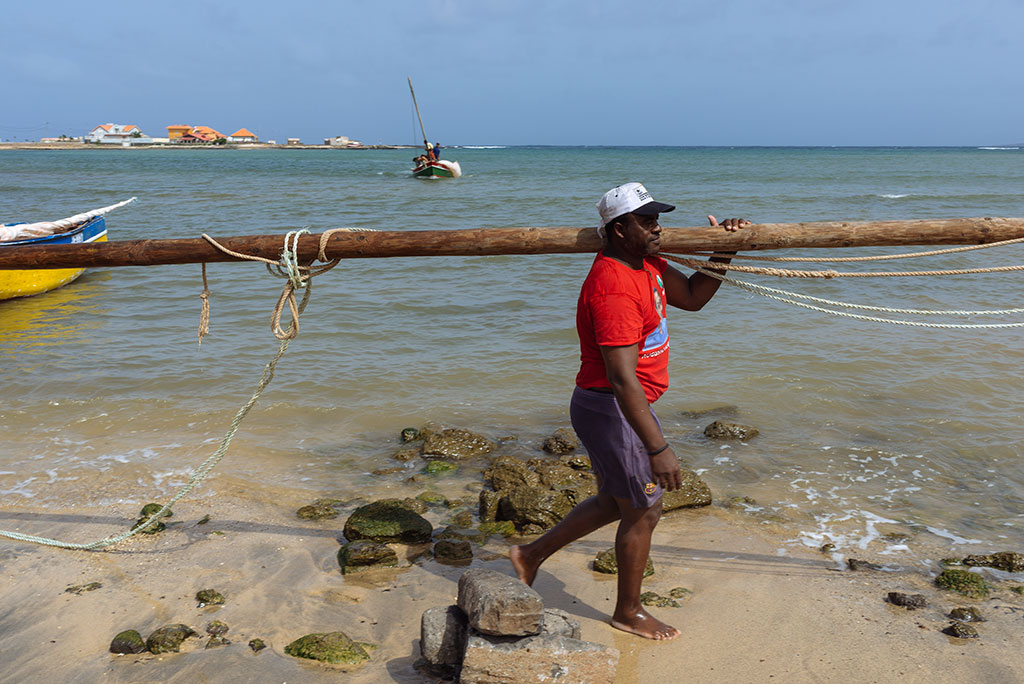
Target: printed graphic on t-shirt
657, 342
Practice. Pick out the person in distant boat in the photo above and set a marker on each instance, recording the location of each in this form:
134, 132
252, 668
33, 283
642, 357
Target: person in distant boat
437, 151
620, 319
430, 152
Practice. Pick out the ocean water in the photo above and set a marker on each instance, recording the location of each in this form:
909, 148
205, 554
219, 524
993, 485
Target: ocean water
864, 427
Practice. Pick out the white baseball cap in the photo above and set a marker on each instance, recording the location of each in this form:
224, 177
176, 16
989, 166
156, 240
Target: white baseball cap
628, 198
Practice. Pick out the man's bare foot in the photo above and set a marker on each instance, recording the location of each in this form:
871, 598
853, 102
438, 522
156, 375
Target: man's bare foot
526, 570
646, 625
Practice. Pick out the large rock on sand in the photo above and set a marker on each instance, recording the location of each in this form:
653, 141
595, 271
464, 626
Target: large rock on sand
499, 605
387, 521
542, 658
693, 493
331, 647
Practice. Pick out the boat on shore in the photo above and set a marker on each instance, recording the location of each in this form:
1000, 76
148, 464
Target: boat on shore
79, 229
426, 165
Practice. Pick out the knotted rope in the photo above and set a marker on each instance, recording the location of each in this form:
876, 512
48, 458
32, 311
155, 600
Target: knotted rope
298, 277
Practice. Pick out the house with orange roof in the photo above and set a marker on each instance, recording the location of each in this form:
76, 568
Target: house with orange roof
243, 135
174, 133
207, 132
112, 133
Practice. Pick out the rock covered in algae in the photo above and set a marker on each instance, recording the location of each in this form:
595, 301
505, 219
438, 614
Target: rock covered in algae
966, 615
563, 441
534, 505
467, 534
257, 645
167, 639
77, 589
365, 554
507, 473
963, 582
387, 521
217, 641
330, 647
209, 597
438, 467
317, 511
128, 641
650, 598
456, 444
908, 601
722, 430
151, 509
607, 563
961, 631
410, 434
217, 628
1006, 561
693, 493
505, 528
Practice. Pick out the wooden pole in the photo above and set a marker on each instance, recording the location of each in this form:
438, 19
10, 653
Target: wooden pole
490, 241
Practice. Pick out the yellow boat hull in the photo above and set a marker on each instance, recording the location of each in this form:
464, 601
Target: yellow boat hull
28, 282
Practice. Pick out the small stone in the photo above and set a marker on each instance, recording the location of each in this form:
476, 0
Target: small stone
410, 434
453, 550
406, 455
257, 645
559, 623
723, 430
128, 641
467, 534
432, 498
217, 641
168, 638
154, 528
606, 562
217, 628
963, 582
463, 519
489, 505
317, 511
209, 597
576, 461
498, 604
693, 493
563, 441
365, 554
79, 588
507, 473
443, 635
152, 509
961, 631
827, 548
908, 601
205, 519
951, 561
861, 565
329, 647
966, 615
679, 592
650, 598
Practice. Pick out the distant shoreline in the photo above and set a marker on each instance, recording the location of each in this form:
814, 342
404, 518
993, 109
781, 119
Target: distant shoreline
228, 146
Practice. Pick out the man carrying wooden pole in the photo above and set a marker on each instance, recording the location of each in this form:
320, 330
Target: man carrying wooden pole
624, 343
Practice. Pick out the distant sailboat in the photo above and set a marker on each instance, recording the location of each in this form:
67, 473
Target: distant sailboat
426, 165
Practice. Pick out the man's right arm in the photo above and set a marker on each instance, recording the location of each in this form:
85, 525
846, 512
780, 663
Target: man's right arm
620, 364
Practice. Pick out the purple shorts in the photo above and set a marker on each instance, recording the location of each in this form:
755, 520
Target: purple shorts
616, 453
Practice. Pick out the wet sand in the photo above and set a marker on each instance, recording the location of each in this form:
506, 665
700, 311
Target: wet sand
761, 611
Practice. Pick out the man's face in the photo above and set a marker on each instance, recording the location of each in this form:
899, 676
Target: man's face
641, 235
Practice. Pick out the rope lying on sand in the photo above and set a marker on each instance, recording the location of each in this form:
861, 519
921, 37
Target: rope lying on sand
298, 277
716, 270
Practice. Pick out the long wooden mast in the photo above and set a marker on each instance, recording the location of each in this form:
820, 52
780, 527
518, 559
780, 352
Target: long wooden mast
422, 130
531, 240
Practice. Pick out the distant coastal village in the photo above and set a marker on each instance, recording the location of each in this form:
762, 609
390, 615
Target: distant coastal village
130, 135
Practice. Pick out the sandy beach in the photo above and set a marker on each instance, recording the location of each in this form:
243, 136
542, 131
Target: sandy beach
760, 611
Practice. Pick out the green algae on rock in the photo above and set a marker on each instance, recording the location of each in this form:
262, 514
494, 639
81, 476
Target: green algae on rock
328, 647
128, 641
217, 641
966, 615
387, 521
606, 563
504, 528
217, 628
257, 645
963, 582
1007, 561
152, 509
410, 434
961, 631
563, 441
722, 430
693, 493
317, 511
365, 554
167, 639
209, 597
453, 550
650, 598
437, 467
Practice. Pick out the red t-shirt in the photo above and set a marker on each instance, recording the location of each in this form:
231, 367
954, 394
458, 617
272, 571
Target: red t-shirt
620, 306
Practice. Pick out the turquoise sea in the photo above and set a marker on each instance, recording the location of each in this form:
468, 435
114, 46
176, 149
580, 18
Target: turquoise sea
864, 427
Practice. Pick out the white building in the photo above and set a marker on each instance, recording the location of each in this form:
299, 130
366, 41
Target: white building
342, 141
113, 133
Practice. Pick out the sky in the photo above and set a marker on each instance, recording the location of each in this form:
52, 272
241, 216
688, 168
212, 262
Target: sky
486, 72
